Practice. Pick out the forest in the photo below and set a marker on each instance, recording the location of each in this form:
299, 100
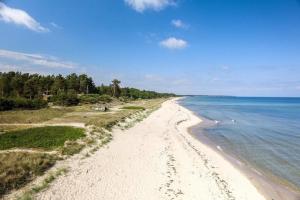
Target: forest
33, 91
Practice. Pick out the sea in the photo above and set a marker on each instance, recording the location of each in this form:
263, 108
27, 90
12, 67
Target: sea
261, 132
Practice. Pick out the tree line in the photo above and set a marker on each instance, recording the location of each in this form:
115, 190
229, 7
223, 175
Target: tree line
35, 90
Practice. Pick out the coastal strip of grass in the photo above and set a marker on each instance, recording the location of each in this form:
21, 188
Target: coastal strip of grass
32, 116
19, 168
29, 194
23, 167
46, 138
108, 120
133, 108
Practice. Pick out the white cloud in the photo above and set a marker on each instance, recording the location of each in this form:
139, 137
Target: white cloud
20, 17
141, 5
178, 23
225, 67
36, 59
173, 43
55, 25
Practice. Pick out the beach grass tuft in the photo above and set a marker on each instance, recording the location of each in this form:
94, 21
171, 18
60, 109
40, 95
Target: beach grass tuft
19, 168
133, 108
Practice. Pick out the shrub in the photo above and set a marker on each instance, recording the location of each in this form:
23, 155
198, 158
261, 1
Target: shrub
6, 104
133, 108
29, 104
95, 98
89, 98
38, 103
124, 99
20, 103
105, 98
66, 99
9, 104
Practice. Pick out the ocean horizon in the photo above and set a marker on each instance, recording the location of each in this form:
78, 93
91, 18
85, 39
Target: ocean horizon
262, 132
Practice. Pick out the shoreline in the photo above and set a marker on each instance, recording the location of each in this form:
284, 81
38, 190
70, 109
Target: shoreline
271, 186
160, 153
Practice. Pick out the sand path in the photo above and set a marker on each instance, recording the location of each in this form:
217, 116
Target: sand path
156, 159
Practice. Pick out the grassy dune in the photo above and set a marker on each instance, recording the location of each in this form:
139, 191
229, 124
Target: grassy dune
18, 168
133, 108
32, 116
47, 138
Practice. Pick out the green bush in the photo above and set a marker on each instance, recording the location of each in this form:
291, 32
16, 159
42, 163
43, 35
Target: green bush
39, 103
124, 99
105, 98
133, 108
66, 99
21, 103
89, 98
6, 104
29, 104
95, 98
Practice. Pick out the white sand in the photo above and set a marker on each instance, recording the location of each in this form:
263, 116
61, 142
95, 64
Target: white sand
156, 159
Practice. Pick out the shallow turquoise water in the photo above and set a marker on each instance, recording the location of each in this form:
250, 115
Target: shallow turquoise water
264, 132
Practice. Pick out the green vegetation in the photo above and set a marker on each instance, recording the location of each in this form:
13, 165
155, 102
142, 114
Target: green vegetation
68, 98
20, 96
95, 98
65, 143
16, 103
110, 119
133, 93
49, 179
71, 148
32, 116
48, 138
133, 108
29, 195
26, 91
18, 168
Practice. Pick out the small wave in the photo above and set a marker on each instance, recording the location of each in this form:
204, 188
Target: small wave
239, 163
218, 147
257, 172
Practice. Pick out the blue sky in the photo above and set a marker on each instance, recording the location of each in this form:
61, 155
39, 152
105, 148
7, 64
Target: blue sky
216, 47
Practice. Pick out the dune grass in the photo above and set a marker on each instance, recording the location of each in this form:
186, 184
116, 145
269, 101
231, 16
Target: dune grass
47, 138
108, 120
19, 168
71, 148
31, 116
5, 128
29, 194
133, 108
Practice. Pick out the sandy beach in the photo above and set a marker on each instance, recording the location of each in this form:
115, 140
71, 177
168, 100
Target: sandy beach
155, 159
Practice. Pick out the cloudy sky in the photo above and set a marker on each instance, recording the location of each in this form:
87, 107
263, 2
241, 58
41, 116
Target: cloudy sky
217, 47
